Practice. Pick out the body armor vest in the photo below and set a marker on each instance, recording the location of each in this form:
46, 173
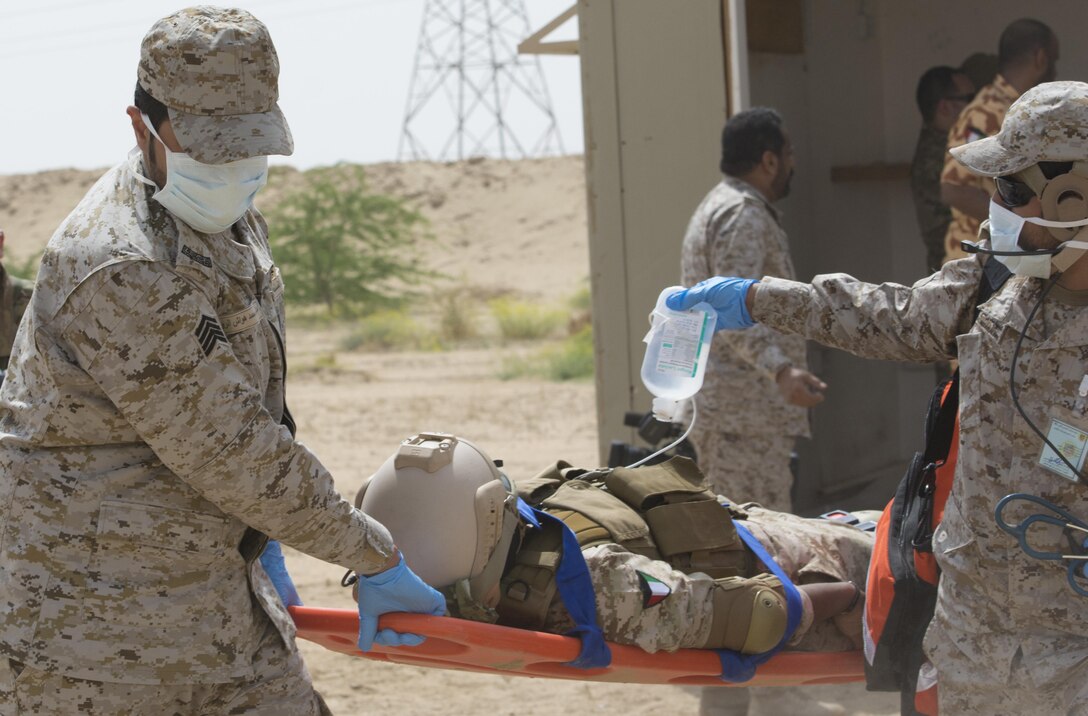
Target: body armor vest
662, 511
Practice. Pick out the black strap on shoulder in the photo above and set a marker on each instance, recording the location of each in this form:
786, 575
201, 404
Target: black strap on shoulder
939, 439
994, 276
939, 436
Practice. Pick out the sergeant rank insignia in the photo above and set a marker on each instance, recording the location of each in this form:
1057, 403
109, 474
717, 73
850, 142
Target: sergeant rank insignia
209, 332
654, 591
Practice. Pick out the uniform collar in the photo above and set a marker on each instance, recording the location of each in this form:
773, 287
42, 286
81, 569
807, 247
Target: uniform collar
229, 250
1003, 88
205, 252
743, 187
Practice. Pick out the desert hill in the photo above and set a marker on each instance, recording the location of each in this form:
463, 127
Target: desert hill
493, 219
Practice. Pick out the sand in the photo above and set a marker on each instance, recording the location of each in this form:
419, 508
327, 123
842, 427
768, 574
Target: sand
501, 227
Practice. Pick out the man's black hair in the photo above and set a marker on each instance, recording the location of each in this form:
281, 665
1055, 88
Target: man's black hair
1020, 40
155, 110
747, 135
935, 84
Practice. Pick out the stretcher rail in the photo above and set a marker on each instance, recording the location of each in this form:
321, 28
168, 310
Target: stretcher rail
473, 646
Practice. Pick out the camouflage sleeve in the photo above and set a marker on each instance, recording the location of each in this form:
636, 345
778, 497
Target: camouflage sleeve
886, 321
134, 331
742, 240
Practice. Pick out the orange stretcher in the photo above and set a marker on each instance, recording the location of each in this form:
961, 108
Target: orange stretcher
474, 646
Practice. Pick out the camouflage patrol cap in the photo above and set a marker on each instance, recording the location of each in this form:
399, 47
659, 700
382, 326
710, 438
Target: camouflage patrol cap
217, 72
1049, 123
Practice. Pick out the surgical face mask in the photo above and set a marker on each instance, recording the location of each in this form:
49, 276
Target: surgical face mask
1005, 228
208, 197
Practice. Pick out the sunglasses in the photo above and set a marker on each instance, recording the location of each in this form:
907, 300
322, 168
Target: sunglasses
1013, 192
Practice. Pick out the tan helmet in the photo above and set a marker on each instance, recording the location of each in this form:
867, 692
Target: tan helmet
451, 511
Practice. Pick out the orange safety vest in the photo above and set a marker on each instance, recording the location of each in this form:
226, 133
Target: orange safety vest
901, 589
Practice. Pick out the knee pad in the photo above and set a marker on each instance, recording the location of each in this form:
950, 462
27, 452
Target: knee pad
749, 615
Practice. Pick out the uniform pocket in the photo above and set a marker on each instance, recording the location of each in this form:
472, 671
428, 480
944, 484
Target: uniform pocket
147, 557
131, 526
954, 541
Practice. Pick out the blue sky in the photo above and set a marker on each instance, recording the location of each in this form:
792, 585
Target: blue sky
67, 69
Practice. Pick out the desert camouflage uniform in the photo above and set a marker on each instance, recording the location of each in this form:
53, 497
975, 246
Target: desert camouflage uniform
933, 215
281, 686
13, 302
144, 449
1002, 618
981, 118
745, 430
808, 550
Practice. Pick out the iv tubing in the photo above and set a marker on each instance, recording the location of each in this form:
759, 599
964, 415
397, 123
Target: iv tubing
670, 446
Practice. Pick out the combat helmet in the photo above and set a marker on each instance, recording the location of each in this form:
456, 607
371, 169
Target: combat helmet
451, 511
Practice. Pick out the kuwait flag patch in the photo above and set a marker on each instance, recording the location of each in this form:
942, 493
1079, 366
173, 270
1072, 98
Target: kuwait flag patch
654, 591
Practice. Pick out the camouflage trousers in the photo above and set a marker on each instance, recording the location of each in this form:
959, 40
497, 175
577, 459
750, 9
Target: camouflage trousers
962, 689
753, 467
812, 550
280, 685
1057, 686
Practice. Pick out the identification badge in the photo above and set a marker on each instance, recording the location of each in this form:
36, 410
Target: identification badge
1073, 444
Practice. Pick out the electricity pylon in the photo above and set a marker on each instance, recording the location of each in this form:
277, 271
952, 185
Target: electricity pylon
471, 93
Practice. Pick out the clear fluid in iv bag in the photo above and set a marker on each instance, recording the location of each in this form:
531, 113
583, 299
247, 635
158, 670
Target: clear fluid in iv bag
677, 348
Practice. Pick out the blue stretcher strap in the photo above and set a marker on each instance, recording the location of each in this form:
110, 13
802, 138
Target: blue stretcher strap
576, 591
737, 667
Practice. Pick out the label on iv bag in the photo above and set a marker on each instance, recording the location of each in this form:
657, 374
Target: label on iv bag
1073, 444
681, 337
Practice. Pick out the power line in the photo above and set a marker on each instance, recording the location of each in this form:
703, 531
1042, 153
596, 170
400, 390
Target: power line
467, 79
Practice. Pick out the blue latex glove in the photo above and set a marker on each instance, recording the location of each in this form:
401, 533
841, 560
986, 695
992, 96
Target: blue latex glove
274, 567
394, 590
725, 294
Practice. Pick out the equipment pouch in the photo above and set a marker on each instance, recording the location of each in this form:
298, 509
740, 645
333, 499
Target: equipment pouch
542, 485
675, 480
700, 537
528, 587
691, 526
624, 524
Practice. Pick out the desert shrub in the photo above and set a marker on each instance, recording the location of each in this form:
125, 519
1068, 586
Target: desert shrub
519, 320
384, 330
456, 315
342, 246
581, 300
571, 359
581, 310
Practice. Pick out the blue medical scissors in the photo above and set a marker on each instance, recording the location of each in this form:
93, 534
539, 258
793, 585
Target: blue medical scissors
1073, 528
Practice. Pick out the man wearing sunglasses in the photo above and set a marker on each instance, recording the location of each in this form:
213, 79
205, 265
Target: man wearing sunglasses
1027, 55
941, 95
1009, 634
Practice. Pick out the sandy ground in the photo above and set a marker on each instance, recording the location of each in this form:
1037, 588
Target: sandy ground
502, 227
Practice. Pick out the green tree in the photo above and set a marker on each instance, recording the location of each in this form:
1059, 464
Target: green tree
341, 245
